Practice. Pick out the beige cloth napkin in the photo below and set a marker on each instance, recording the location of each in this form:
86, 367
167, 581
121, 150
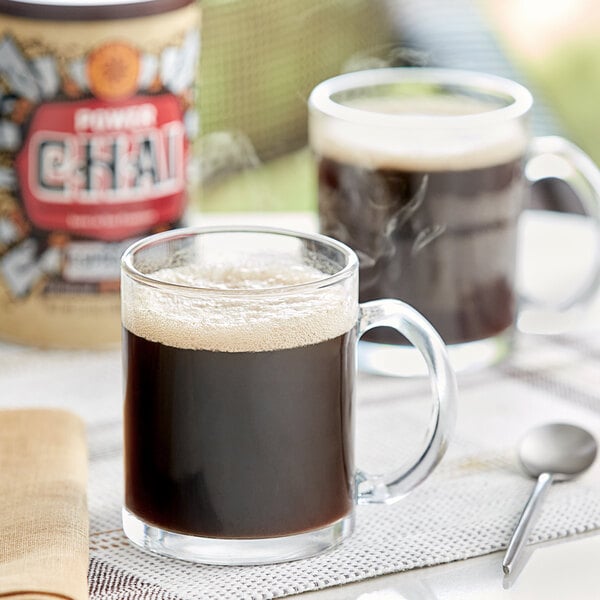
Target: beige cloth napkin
43, 509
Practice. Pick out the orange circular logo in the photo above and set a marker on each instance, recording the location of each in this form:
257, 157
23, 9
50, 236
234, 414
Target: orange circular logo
113, 71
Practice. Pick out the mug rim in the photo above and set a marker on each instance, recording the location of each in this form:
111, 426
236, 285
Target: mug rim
321, 101
127, 267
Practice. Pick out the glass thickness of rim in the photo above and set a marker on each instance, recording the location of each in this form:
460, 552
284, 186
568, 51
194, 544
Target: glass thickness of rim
327, 98
348, 259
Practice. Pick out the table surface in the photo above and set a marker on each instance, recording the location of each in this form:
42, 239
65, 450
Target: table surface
561, 569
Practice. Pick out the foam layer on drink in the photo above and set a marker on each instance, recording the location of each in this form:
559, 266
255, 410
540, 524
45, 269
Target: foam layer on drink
420, 144
220, 317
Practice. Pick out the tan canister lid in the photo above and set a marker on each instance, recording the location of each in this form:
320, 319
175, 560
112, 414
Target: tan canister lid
88, 10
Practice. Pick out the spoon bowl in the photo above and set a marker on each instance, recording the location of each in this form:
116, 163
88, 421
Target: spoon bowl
558, 448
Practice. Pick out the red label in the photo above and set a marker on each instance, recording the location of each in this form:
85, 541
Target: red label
105, 170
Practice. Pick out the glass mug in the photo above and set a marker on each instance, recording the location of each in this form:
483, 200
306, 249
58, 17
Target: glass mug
239, 362
424, 173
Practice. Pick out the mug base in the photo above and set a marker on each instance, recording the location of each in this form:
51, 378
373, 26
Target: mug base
406, 361
216, 551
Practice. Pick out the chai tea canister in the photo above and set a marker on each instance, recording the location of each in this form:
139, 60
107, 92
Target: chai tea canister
96, 118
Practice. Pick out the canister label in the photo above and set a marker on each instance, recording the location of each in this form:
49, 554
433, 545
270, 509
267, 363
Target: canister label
104, 171
96, 119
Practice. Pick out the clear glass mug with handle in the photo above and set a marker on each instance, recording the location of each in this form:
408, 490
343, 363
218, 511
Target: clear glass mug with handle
424, 173
239, 362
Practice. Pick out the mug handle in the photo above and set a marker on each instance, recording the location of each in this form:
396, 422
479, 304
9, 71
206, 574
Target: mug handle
388, 487
556, 157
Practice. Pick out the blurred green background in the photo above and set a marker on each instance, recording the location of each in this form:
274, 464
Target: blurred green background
556, 45
260, 59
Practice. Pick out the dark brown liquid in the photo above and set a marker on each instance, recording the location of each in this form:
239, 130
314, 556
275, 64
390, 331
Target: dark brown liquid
443, 241
239, 445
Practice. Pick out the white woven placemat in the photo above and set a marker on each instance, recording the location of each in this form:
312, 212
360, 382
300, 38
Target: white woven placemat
467, 508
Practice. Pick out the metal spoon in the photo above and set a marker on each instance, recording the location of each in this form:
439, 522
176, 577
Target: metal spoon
555, 452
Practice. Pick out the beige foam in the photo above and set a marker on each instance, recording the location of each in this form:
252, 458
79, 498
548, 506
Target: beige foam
273, 319
419, 145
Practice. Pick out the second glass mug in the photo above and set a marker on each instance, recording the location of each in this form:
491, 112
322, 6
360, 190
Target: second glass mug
423, 172
239, 362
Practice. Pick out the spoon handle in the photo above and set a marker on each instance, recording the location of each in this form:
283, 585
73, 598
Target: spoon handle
526, 521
